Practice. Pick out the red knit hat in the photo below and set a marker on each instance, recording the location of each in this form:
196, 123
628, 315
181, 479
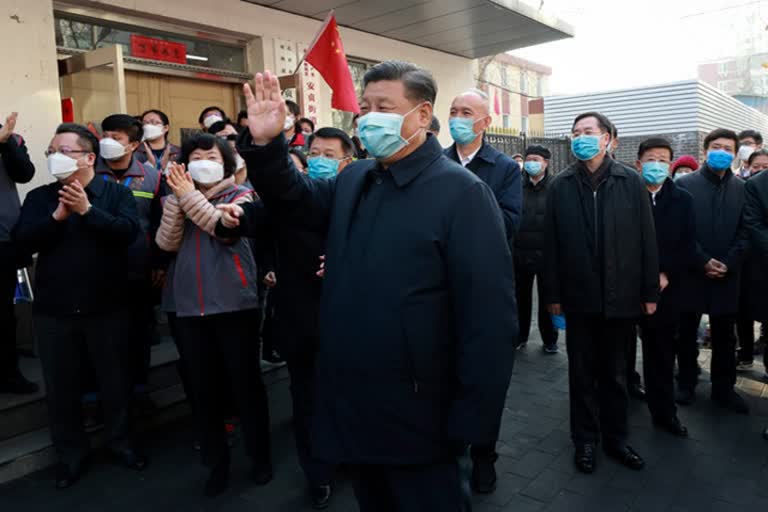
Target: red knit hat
684, 161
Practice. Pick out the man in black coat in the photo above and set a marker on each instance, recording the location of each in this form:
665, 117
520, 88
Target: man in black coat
713, 280
15, 167
81, 227
469, 118
417, 319
756, 220
676, 241
297, 302
529, 247
602, 271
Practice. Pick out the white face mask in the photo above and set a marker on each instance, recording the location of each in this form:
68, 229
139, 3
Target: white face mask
61, 166
211, 120
745, 152
152, 131
289, 122
206, 171
110, 149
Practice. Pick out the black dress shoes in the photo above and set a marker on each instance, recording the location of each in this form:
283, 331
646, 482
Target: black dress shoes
484, 474
584, 458
321, 496
18, 385
218, 480
66, 476
636, 391
261, 473
731, 400
131, 459
673, 426
626, 456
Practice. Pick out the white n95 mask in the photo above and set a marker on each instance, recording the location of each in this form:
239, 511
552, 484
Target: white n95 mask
206, 172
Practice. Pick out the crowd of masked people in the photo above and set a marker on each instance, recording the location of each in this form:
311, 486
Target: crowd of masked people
393, 276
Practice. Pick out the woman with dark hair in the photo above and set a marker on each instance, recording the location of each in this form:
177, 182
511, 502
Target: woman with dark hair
156, 150
212, 287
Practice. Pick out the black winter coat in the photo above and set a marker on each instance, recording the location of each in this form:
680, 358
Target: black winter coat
720, 234
676, 240
600, 252
756, 220
417, 318
502, 174
529, 242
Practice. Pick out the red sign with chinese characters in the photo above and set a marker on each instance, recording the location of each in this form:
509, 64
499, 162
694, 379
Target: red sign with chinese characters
145, 47
67, 110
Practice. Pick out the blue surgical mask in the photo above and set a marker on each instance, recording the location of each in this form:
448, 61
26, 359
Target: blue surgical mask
322, 168
462, 130
586, 147
533, 168
558, 322
380, 133
719, 159
654, 173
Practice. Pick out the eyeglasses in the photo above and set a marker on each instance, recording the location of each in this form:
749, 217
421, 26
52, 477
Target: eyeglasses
64, 151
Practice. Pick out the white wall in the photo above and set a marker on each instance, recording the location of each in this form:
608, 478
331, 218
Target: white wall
30, 83
453, 74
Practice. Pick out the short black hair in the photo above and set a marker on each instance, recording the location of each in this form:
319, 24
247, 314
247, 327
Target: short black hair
163, 117
434, 126
754, 134
541, 151
603, 122
300, 155
307, 120
334, 133
721, 133
755, 154
210, 109
243, 114
293, 107
123, 123
85, 137
207, 141
419, 83
654, 143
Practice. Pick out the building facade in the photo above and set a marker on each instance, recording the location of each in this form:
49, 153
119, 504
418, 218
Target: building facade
106, 56
512, 84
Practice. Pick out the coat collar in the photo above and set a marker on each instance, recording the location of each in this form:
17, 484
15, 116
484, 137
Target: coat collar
714, 178
96, 186
528, 182
408, 169
486, 153
135, 170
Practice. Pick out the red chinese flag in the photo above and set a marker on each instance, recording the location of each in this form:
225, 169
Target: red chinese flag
327, 56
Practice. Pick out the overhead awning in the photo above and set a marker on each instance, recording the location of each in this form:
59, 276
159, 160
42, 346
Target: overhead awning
469, 28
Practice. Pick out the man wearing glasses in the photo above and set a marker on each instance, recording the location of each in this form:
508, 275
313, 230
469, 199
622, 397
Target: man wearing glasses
80, 227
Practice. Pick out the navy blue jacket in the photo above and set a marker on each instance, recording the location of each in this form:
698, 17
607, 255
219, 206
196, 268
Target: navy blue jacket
721, 234
502, 174
676, 239
416, 332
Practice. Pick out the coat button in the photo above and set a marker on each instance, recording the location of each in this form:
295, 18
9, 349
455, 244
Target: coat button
378, 181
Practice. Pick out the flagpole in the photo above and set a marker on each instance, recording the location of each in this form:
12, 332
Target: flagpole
314, 41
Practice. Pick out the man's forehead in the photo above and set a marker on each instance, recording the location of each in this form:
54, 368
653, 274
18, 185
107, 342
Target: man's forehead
66, 139
390, 89
587, 122
321, 143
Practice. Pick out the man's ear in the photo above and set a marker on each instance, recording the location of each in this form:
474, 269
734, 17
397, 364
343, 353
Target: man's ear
425, 114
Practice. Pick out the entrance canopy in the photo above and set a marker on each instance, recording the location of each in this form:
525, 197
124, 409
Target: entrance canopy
468, 28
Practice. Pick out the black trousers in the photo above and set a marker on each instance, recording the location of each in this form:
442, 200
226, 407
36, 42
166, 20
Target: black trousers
633, 377
597, 366
442, 487
206, 342
141, 319
268, 334
524, 291
9, 358
723, 366
658, 337
60, 342
745, 328
301, 368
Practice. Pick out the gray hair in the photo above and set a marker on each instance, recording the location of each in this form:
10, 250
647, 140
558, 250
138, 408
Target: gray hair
482, 95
